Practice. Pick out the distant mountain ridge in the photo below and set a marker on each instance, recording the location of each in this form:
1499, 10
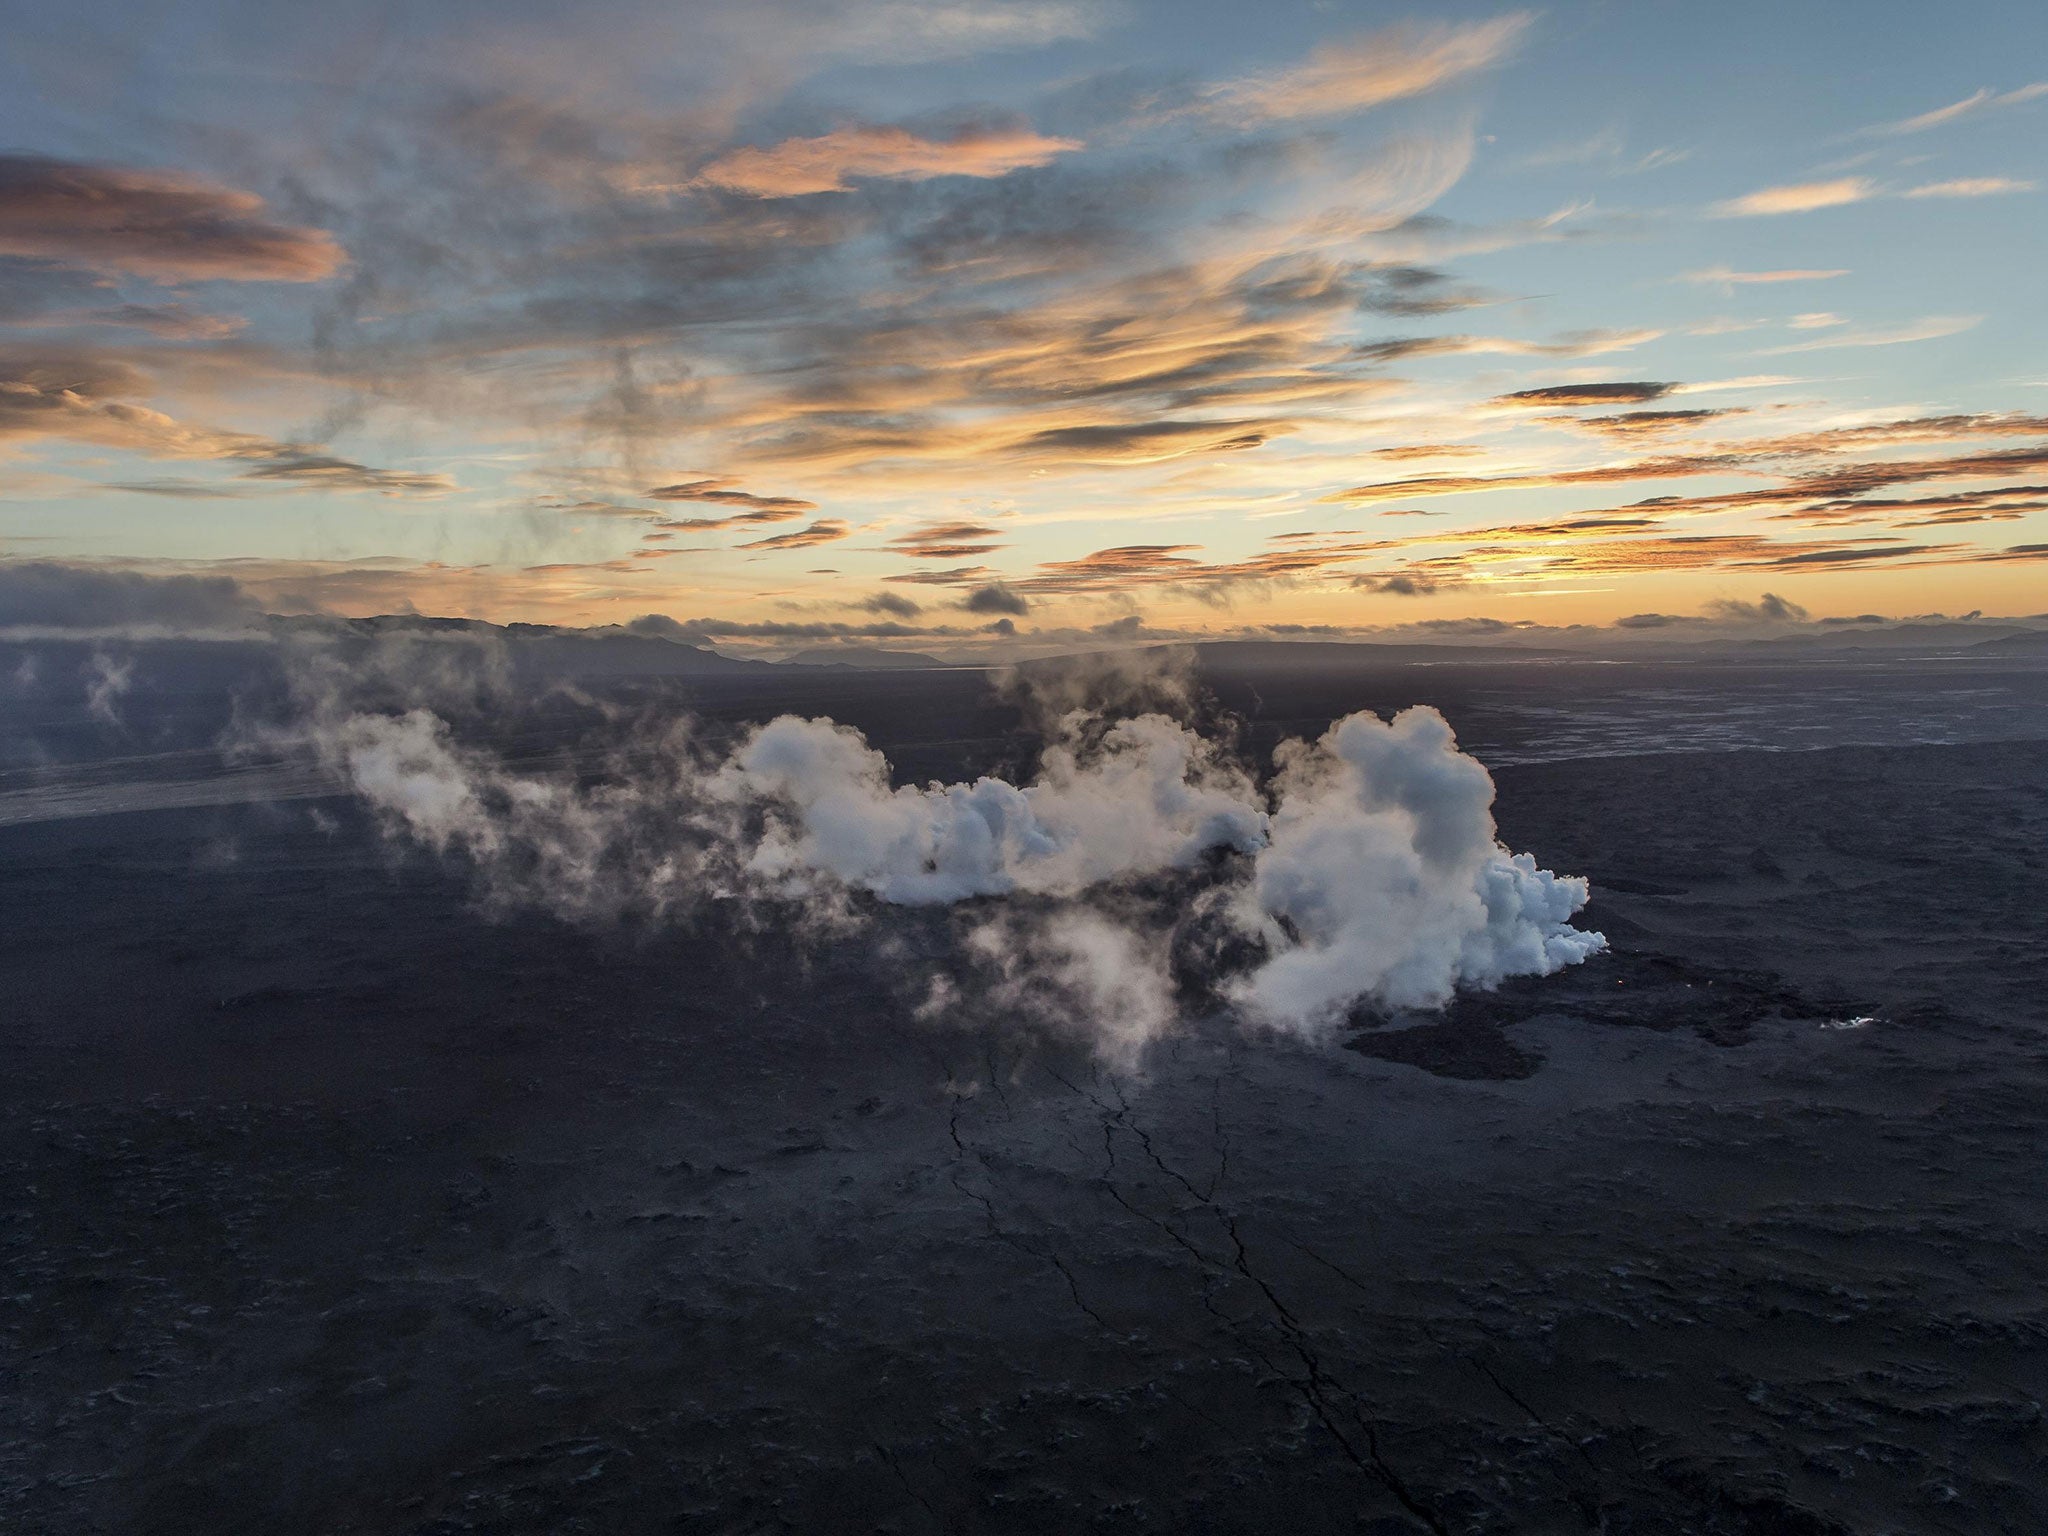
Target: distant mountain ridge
864, 657
544, 650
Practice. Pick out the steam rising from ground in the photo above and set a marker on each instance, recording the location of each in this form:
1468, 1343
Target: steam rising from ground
1382, 878
1146, 795
1364, 871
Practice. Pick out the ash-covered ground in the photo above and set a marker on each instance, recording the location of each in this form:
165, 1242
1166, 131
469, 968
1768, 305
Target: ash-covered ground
335, 1204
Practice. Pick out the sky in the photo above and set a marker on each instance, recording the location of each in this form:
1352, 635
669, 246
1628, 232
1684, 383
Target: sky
919, 321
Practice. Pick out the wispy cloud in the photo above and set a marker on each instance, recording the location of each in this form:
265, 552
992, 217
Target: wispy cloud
1127, 566
1808, 196
1337, 79
1780, 275
1146, 441
305, 468
981, 320
947, 541
1932, 328
1747, 381
1630, 425
171, 321
87, 396
1798, 197
1573, 344
1802, 478
1975, 102
830, 162
1628, 393
893, 31
1972, 186
824, 531
724, 491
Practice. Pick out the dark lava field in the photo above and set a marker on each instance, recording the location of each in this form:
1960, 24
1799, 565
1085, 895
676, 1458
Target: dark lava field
331, 1203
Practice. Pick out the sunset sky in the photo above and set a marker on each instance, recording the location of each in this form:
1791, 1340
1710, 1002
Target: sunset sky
921, 321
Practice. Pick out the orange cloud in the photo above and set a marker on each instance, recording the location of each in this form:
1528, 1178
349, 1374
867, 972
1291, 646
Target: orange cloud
1800, 197
1758, 456
1430, 451
799, 167
1534, 559
87, 397
1147, 441
1138, 565
947, 541
824, 531
1634, 424
1341, 78
1632, 393
949, 576
2004, 505
723, 491
155, 224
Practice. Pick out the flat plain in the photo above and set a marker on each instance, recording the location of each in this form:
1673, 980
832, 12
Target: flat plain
333, 1203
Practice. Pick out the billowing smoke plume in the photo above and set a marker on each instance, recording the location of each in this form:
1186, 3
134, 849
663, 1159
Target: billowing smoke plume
1366, 871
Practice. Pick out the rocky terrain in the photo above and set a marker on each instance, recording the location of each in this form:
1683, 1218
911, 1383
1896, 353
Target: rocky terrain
331, 1203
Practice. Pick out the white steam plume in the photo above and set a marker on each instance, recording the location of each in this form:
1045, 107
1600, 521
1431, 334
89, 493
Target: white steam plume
1077, 966
1368, 872
641, 846
107, 679
1383, 879
1148, 795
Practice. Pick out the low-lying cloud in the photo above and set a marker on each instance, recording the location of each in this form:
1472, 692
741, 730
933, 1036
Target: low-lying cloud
38, 595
